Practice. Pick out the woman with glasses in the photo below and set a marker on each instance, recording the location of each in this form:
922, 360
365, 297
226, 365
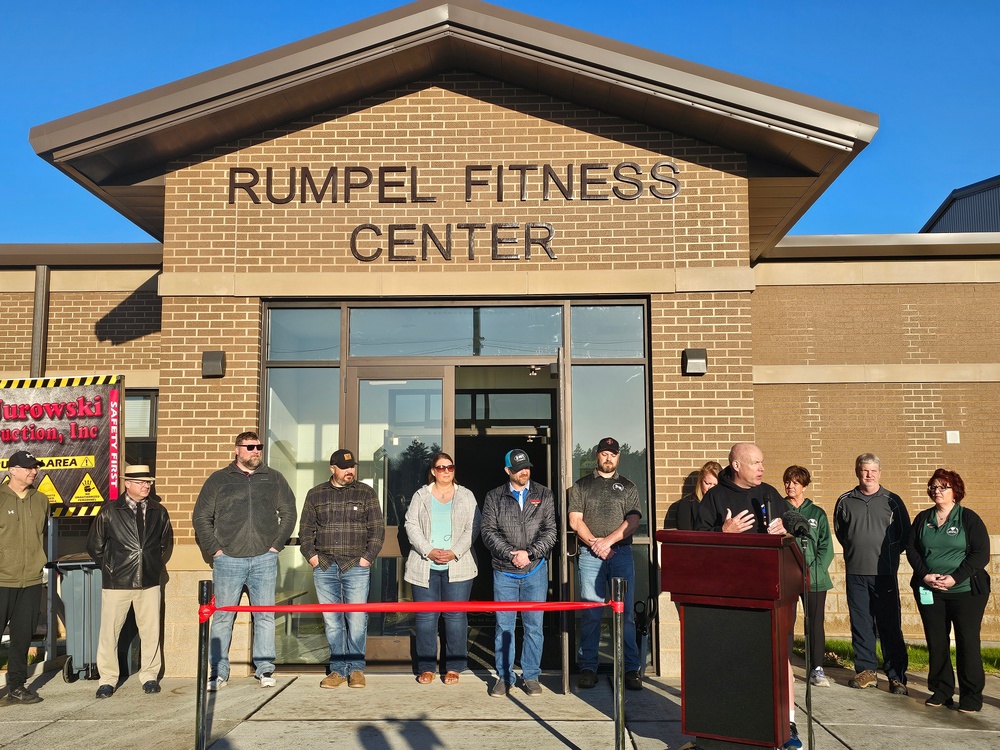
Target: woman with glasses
819, 555
442, 523
687, 507
949, 549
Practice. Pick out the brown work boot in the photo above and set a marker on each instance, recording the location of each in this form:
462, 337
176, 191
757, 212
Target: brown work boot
356, 679
862, 680
332, 680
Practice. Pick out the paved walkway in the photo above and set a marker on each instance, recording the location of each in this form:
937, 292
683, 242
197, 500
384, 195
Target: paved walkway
395, 713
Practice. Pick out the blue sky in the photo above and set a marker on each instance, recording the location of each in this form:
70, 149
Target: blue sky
930, 70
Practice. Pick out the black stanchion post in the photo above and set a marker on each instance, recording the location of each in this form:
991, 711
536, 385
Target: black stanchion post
618, 588
204, 623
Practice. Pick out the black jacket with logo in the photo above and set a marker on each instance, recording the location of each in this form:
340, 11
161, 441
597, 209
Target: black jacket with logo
727, 495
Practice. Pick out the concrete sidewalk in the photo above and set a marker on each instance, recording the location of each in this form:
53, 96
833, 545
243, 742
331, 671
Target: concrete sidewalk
395, 713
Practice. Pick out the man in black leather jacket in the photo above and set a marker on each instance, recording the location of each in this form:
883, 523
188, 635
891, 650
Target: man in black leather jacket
129, 540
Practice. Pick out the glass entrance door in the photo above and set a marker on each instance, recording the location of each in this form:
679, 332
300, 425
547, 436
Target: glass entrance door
399, 419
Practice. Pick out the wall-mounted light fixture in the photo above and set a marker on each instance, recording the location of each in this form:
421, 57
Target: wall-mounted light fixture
694, 361
213, 364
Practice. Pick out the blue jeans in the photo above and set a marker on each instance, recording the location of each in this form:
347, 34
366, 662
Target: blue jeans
595, 586
346, 632
534, 588
229, 576
873, 603
456, 624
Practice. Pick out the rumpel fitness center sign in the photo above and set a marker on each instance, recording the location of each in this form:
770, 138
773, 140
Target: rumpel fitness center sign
401, 184
72, 425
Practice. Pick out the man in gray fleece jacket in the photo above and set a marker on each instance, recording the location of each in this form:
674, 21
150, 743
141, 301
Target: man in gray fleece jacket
243, 516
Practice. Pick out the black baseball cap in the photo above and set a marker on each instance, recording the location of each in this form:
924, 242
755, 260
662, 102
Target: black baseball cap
608, 444
24, 460
343, 459
516, 460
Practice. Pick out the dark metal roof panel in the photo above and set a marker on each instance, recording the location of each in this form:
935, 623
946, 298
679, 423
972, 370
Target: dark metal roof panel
973, 208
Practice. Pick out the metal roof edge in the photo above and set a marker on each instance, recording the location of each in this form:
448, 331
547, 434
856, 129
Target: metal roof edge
753, 100
84, 254
866, 246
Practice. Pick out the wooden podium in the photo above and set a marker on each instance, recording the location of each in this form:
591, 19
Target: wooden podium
737, 595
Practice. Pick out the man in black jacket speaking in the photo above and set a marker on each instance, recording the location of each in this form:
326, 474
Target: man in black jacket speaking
129, 540
742, 501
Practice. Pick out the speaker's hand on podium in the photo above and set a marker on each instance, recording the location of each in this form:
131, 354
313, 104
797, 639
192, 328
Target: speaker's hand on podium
743, 521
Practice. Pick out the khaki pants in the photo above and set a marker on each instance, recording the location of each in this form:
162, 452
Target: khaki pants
115, 604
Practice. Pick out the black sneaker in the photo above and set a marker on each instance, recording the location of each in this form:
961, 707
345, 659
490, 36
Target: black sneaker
23, 696
587, 679
793, 738
936, 701
632, 680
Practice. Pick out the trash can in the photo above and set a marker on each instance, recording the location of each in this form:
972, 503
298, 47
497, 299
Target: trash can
81, 596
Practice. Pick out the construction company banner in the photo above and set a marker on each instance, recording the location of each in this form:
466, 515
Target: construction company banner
72, 425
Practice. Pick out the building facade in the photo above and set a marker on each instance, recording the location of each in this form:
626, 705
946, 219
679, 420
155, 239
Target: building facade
454, 226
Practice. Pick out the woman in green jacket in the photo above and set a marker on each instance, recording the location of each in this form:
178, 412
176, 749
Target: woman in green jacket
819, 555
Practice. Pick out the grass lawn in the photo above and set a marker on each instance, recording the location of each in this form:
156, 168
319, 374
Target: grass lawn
841, 654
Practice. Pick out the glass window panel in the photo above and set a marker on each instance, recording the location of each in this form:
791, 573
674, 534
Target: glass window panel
456, 331
411, 332
304, 334
303, 425
463, 407
139, 415
605, 332
611, 400
520, 406
514, 331
399, 428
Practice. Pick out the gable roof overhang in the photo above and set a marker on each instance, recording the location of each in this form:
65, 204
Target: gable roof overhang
796, 145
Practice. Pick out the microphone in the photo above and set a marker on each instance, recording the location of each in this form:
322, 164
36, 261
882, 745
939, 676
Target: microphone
795, 523
765, 517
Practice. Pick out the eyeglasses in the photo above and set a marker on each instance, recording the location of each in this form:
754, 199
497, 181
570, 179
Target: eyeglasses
250, 447
445, 467
139, 481
935, 489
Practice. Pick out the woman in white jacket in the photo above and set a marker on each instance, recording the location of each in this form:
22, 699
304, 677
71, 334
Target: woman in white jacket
442, 522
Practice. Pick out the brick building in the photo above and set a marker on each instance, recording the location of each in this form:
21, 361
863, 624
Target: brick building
455, 225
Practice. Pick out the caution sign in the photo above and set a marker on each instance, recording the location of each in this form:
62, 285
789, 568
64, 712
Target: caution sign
87, 492
73, 425
47, 487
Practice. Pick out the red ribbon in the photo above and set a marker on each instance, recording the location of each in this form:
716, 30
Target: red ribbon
206, 611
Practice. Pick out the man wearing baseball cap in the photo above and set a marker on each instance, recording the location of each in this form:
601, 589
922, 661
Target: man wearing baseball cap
604, 512
341, 533
519, 530
25, 511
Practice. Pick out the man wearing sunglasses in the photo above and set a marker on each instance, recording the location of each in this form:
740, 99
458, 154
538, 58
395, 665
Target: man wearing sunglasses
244, 514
